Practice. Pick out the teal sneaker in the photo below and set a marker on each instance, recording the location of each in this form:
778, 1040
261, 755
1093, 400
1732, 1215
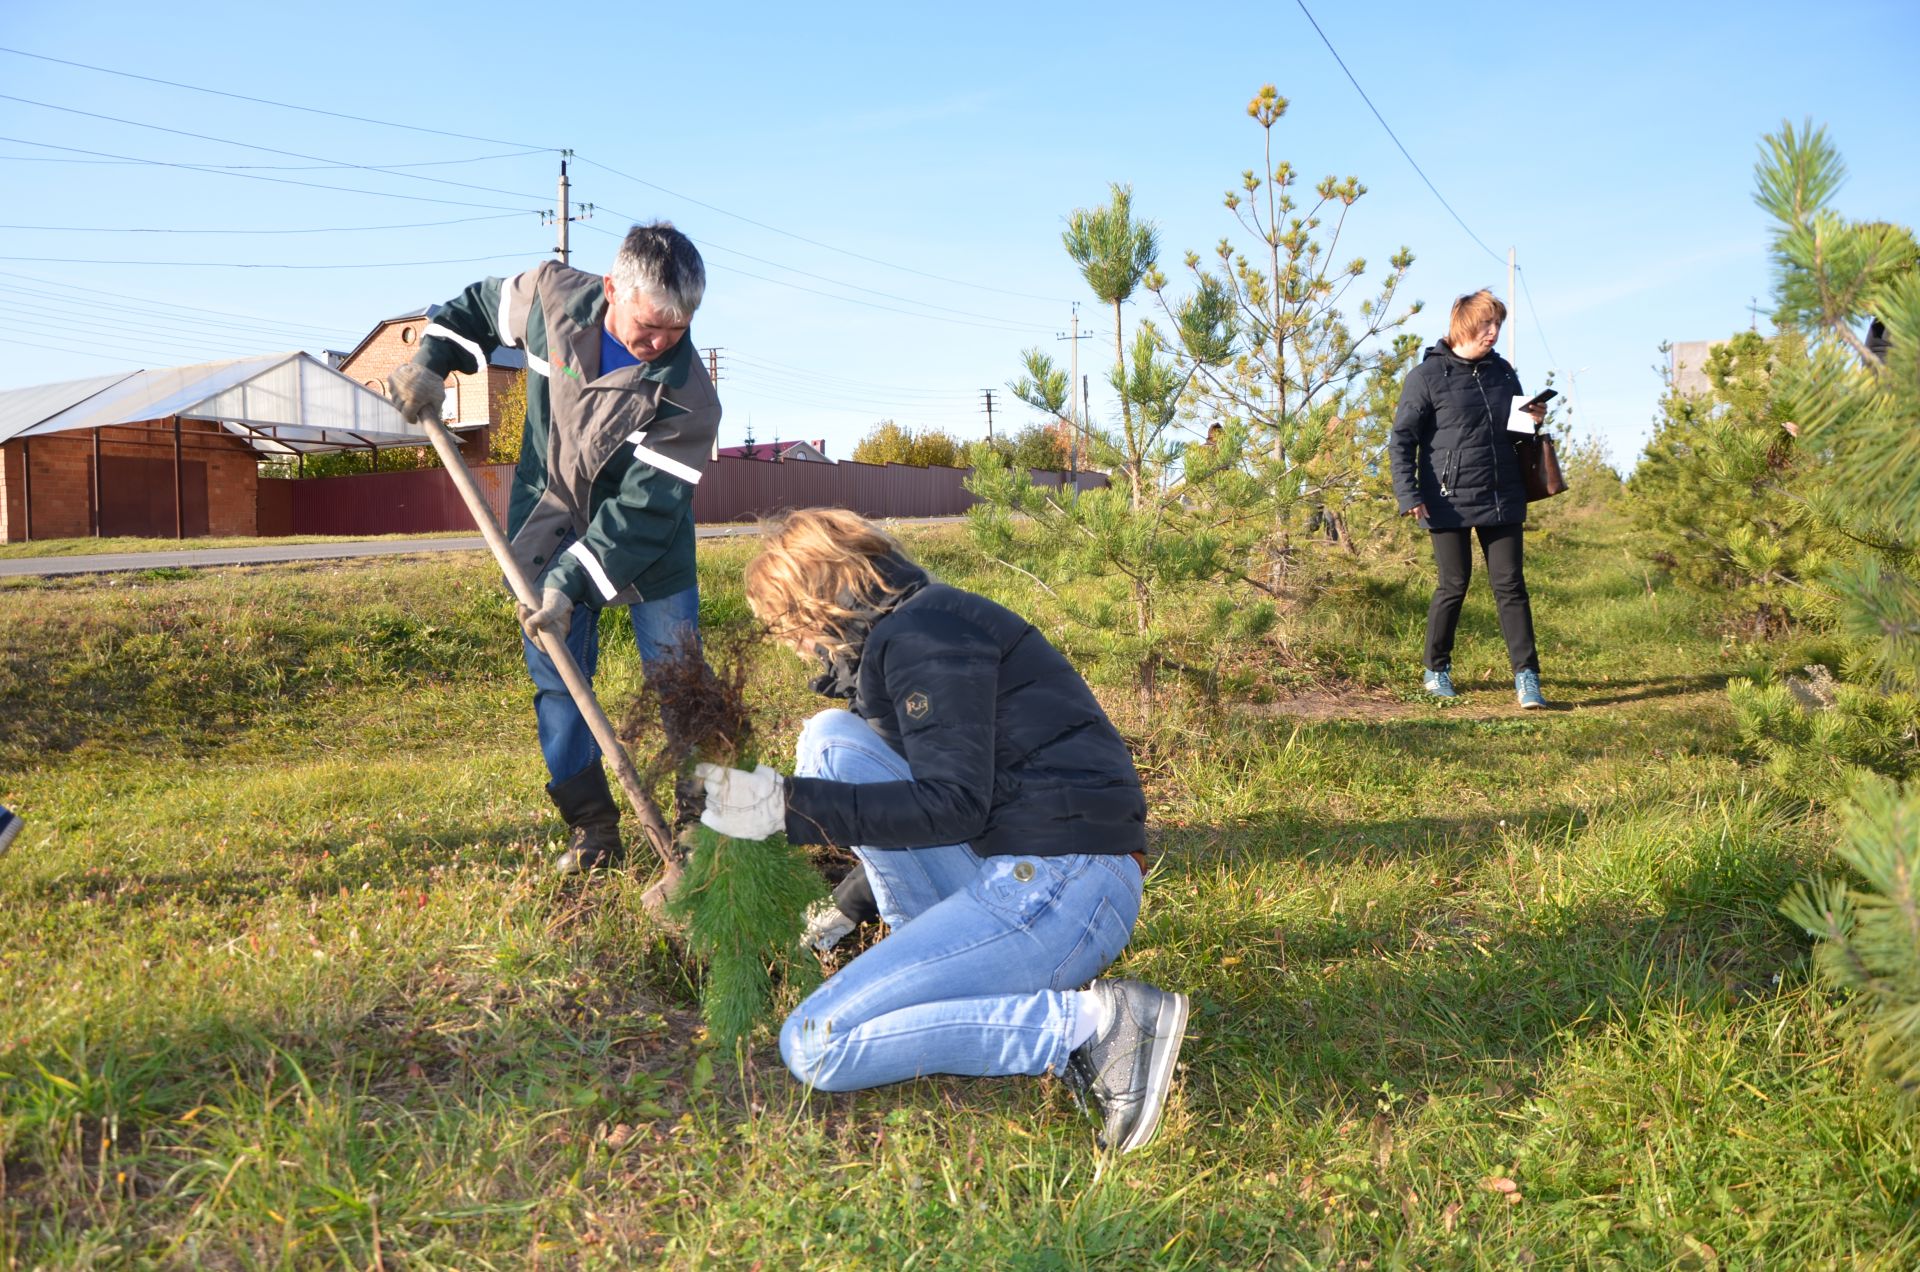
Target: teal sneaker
1438, 683
1527, 686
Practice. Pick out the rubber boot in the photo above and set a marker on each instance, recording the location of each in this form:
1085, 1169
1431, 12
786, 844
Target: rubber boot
593, 821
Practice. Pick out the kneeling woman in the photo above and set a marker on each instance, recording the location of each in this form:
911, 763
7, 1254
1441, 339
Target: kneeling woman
998, 815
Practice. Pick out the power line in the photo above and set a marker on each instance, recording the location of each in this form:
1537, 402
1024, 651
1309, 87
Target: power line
275, 168
864, 410
328, 229
1533, 312
851, 286
1396, 140
814, 291
871, 260
121, 298
289, 167
770, 367
122, 328
265, 101
456, 260
254, 176
165, 323
85, 352
271, 150
876, 401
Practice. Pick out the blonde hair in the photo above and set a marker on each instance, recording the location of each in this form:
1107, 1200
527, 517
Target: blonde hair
1469, 312
810, 560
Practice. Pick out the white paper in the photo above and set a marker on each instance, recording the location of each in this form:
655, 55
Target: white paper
1517, 421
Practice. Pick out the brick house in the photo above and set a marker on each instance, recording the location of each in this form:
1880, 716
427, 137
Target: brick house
174, 452
472, 400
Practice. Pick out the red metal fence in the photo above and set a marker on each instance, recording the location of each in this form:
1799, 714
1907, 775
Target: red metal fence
423, 501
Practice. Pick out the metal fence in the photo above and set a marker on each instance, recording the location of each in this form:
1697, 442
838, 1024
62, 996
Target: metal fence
419, 501
423, 501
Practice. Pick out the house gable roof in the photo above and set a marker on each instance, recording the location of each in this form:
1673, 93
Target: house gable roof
511, 359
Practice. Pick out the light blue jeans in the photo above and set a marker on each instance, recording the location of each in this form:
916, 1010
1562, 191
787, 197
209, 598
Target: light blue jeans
976, 976
659, 627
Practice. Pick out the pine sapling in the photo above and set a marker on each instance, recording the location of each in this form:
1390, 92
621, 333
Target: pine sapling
743, 902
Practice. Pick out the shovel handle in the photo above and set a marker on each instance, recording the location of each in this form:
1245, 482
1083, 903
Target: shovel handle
556, 649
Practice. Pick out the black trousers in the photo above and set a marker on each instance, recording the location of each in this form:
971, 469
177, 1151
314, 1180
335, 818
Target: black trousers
1453, 554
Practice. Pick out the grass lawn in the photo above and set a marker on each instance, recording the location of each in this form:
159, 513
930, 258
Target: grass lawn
282, 983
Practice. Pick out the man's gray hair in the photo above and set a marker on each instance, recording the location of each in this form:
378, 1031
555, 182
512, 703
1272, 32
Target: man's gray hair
662, 265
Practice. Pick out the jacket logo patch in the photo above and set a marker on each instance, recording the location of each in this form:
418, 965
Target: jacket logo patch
916, 705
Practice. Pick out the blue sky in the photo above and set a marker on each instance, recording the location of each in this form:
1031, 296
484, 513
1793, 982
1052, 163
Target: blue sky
880, 190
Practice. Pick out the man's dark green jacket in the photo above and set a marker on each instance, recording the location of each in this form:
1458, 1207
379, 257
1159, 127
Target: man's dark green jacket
602, 502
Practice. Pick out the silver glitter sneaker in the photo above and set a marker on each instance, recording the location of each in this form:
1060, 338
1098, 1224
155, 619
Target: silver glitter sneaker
1128, 1068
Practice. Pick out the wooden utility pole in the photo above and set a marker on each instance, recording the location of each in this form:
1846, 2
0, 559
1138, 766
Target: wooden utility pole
988, 393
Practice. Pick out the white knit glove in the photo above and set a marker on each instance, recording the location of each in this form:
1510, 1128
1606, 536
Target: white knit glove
555, 615
417, 393
742, 805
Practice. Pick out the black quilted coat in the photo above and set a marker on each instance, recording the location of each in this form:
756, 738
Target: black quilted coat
1450, 447
1010, 751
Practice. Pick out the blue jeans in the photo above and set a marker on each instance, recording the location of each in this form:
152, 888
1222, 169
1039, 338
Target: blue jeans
976, 976
658, 628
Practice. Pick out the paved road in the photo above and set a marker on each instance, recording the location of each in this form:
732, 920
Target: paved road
267, 553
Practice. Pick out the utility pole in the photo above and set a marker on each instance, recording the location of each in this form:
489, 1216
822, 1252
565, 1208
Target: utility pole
989, 396
1085, 400
1513, 318
713, 374
1074, 407
564, 217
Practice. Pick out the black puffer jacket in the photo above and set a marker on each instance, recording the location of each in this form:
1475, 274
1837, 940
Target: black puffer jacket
1450, 447
1009, 749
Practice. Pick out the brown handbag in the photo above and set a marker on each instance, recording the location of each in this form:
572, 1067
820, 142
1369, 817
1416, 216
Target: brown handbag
1540, 465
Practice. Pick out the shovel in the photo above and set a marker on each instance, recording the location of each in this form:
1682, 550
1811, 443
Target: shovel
655, 897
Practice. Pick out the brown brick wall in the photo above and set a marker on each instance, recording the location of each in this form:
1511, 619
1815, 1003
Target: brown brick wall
62, 484
394, 343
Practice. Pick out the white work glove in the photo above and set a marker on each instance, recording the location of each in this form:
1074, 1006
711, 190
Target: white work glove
743, 805
554, 615
826, 926
417, 393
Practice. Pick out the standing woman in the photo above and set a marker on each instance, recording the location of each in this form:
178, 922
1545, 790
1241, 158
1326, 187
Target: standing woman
1455, 470
999, 818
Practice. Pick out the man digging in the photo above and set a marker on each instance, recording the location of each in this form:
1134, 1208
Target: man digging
621, 420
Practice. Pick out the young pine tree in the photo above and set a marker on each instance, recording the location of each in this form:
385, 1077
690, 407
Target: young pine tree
1189, 547
1856, 404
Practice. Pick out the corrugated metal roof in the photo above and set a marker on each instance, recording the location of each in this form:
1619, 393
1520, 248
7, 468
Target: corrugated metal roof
292, 397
